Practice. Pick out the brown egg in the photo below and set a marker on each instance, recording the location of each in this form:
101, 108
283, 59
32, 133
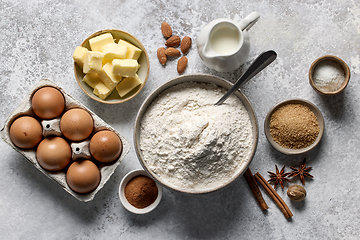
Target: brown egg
25, 132
83, 176
53, 153
76, 124
48, 103
105, 146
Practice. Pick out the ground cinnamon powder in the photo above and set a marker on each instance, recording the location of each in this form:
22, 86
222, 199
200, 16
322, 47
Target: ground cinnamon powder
141, 191
294, 126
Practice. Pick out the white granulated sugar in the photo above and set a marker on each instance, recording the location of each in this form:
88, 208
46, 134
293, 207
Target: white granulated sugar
328, 76
192, 144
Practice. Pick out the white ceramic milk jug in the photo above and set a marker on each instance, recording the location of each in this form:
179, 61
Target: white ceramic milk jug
224, 44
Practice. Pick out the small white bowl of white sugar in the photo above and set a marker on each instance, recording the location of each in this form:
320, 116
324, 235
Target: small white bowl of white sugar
329, 75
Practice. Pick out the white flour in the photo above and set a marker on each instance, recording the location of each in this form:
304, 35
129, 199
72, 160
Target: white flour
192, 144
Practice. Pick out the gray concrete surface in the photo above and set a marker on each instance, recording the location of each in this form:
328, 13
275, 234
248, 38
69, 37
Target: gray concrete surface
37, 41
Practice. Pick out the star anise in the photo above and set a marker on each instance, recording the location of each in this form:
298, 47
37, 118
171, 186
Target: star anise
302, 172
278, 177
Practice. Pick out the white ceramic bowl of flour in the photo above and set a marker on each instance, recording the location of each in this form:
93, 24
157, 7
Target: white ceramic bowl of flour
188, 144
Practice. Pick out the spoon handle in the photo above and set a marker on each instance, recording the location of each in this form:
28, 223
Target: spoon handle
261, 62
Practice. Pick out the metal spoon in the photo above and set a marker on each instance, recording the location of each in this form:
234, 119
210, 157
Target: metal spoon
261, 62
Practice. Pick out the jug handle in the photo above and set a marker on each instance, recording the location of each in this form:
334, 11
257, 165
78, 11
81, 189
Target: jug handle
249, 21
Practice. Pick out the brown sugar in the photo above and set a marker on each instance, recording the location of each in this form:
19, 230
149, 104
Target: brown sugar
294, 126
141, 191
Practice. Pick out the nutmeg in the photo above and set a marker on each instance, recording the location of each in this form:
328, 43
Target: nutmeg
296, 192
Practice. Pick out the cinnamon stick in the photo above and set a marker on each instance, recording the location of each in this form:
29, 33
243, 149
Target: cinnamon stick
273, 194
255, 189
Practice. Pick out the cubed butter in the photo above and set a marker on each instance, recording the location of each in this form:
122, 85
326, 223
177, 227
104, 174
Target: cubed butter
79, 55
128, 84
108, 77
98, 42
93, 62
125, 67
106, 61
92, 79
113, 50
102, 91
133, 51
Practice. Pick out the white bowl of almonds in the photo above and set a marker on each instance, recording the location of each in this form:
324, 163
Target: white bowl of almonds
111, 66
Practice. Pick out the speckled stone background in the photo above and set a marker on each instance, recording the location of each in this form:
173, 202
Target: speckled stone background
37, 41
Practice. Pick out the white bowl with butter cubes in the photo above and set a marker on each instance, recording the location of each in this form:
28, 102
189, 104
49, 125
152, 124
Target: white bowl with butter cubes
111, 66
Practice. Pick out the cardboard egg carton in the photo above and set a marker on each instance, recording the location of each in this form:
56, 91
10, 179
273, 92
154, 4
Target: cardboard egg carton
79, 149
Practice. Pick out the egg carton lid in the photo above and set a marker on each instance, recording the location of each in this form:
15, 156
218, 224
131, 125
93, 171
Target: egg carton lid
24, 108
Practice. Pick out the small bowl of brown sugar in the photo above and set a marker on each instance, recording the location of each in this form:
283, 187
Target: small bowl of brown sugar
294, 126
139, 193
329, 75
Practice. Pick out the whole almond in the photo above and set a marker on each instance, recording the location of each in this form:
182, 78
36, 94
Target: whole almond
161, 55
166, 29
185, 44
172, 52
182, 63
173, 41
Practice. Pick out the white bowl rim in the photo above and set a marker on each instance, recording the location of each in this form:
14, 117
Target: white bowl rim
125, 202
289, 151
204, 78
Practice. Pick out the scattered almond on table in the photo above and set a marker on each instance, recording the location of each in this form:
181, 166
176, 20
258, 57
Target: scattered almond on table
171, 43
185, 44
172, 52
182, 63
166, 29
161, 54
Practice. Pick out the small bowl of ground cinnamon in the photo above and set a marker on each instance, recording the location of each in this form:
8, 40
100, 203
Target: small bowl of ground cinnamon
294, 126
139, 193
329, 75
